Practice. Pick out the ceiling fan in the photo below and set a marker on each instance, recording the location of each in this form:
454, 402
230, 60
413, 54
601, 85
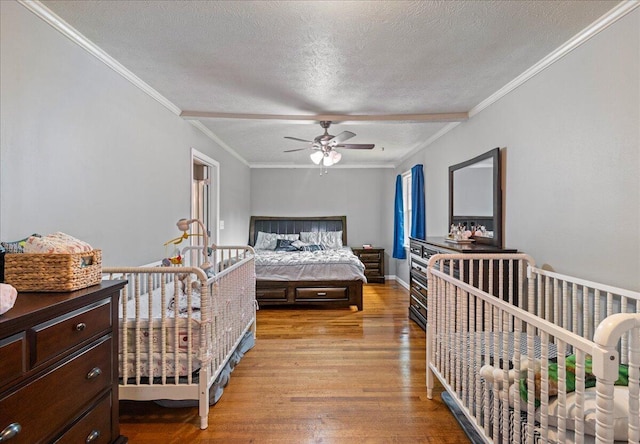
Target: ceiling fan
324, 145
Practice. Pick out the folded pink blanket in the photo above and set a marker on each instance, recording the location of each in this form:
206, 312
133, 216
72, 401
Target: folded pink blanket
56, 243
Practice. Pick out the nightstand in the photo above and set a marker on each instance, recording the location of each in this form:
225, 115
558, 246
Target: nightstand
373, 260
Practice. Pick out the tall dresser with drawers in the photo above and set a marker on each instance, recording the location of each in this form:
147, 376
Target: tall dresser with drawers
59, 367
420, 252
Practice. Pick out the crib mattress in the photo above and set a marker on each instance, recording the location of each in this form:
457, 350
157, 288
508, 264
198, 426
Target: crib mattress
174, 336
177, 337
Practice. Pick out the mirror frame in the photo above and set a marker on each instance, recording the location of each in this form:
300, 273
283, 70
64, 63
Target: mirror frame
496, 219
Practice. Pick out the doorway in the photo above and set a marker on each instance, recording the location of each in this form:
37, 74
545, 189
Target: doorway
205, 195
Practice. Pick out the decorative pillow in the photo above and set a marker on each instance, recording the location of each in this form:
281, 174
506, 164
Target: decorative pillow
16, 246
298, 244
285, 245
267, 241
330, 239
313, 247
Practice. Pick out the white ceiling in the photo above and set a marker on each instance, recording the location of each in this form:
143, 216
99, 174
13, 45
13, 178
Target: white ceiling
327, 58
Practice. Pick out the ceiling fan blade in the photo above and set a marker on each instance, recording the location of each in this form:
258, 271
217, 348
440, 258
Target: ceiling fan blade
345, 135
356, 146
299, 140
297, 149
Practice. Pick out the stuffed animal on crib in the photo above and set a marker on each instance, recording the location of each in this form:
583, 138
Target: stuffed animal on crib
184, 279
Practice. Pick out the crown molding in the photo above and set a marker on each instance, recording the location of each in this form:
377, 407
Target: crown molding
583, 36
68, 31
430, 140
72, 34
313, 166
433, 117
608, 19
615, 14
217, 140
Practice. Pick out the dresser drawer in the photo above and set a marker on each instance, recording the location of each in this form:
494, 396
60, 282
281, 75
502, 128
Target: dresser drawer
47, 404
418, 288
62, 333
319, 294
369, 272
419, 306
13, 358
369, 257
418, 277
271, 294
93, 428
415, 248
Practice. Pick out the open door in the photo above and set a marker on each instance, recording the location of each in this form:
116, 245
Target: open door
205, 195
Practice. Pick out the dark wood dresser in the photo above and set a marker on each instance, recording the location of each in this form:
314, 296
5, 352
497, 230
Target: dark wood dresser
420, 252
373, 260
59, 367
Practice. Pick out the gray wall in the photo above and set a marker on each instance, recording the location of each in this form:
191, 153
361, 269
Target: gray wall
85, 152
365, 196
571, 158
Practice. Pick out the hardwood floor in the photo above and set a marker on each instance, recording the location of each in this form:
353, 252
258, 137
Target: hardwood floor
317, 376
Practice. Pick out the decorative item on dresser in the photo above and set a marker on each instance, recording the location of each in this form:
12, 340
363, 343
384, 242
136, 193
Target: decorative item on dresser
373, 260
420, 252
58, 377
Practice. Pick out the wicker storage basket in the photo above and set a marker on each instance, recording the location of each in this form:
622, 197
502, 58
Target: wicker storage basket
53, 272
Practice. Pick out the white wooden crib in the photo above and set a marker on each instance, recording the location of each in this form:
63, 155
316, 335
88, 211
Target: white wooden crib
542, 324
174, 348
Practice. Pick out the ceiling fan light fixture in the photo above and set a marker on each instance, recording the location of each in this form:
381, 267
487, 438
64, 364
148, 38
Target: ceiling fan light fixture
316, 157
327, 161
335, 156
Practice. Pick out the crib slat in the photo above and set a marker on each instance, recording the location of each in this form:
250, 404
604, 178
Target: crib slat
184, 339
562, 313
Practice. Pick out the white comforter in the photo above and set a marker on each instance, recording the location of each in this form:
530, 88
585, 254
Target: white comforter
339, 265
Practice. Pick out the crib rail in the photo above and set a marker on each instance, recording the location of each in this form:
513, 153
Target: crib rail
517, 360
579, 305
179, 327
222, 256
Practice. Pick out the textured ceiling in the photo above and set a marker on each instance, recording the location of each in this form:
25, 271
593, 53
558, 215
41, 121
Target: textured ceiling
295, 58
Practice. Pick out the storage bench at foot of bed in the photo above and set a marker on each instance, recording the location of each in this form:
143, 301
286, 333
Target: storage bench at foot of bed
338, 293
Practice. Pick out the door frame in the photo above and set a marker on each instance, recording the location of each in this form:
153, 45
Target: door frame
200, 158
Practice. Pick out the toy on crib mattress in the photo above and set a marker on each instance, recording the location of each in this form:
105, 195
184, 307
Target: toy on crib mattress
495, 375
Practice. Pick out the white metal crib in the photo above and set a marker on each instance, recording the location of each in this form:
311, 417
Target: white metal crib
179, 327
509, 342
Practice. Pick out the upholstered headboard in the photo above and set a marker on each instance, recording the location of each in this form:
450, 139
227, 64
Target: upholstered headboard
293, 225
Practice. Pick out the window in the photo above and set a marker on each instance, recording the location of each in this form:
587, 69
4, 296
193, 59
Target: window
406, 205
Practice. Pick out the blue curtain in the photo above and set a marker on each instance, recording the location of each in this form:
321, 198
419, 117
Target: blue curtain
398, 223
418, 216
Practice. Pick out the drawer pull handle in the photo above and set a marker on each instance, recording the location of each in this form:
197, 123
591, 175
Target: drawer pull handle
322, 293
95, 434
81, 326
94, 373
10, 431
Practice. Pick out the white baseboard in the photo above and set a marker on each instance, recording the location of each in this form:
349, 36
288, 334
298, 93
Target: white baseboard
399, 281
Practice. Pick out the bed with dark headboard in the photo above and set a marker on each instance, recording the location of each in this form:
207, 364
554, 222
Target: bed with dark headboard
321, 289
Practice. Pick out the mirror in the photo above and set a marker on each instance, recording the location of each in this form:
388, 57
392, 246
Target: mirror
475, 196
